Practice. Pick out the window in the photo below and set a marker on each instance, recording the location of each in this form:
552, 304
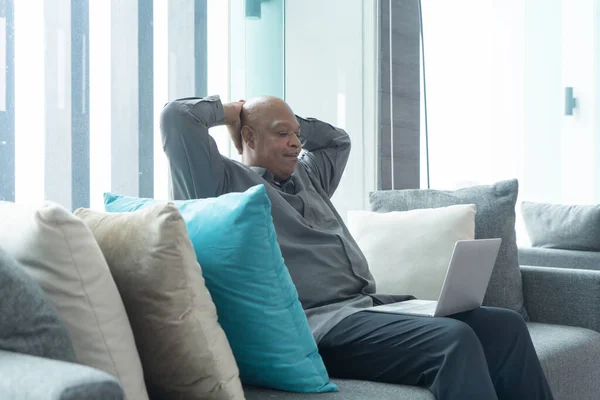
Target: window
91, 77
496, 75
121, 62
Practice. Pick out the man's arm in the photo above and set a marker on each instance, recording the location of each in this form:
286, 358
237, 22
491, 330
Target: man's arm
197, 167
327, 151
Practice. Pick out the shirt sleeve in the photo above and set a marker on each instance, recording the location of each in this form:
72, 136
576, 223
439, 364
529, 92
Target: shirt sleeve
197, 168
326, 152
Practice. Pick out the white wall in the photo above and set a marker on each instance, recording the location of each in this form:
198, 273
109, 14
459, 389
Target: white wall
330, 75
579, 178
560, 155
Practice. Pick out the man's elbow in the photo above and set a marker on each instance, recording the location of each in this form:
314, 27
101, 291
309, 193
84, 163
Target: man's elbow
344, 142
168, 116
170, 113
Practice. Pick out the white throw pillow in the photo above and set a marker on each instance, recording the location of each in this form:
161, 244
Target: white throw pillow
409, 252
60, 253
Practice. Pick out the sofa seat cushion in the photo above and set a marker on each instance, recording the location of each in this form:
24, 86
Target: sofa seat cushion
349, 390
570, 357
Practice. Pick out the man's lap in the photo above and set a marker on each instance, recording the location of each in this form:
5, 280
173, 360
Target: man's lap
357, 327
373, 336
403, 348
474, 352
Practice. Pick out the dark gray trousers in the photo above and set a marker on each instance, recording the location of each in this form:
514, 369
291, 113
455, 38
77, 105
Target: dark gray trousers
483, 354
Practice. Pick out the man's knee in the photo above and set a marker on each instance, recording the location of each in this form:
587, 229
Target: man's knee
462, 347
459, 334
503, 319
511, 317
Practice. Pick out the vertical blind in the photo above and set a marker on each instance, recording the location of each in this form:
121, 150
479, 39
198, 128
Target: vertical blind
7, 103
82, 85
399, 95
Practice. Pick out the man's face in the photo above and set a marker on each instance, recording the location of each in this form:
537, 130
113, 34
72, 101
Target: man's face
277, 143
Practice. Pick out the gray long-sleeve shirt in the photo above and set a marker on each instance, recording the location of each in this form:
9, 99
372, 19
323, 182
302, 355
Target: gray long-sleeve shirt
329, 270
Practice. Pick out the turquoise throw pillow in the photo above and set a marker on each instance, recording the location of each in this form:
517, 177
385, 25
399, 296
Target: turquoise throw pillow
257, 302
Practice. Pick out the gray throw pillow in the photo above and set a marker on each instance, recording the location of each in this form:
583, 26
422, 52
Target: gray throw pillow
29, 323
556, 226
495, 218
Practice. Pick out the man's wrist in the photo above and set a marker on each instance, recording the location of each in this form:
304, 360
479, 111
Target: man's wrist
232, 114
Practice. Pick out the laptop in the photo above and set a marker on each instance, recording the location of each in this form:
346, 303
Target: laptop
464, 286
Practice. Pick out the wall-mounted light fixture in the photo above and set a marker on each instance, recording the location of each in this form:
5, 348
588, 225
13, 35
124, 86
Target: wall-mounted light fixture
253, 9
570, 101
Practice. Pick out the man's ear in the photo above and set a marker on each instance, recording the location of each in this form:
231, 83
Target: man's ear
249, 136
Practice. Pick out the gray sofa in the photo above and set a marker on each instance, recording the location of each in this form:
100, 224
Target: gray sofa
563, 303
564, 306
561, 294
25, 377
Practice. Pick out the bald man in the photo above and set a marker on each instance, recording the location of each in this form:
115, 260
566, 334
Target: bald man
481, 354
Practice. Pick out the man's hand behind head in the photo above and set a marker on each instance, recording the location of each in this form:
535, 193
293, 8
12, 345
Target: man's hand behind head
233, 121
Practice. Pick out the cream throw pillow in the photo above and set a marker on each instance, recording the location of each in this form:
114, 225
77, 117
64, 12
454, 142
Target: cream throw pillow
409, 252
184, 351
58, 251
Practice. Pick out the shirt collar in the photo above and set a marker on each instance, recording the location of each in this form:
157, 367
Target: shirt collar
268, 176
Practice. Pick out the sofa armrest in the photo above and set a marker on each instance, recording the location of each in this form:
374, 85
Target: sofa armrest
558, 258
26, 377
562, 296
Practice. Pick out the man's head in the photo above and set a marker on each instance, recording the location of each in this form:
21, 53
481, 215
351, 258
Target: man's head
270, 136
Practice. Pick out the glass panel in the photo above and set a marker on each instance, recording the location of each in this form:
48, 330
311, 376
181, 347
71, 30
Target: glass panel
218, 63
496, 96
264, 48
3, 46
330, 67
